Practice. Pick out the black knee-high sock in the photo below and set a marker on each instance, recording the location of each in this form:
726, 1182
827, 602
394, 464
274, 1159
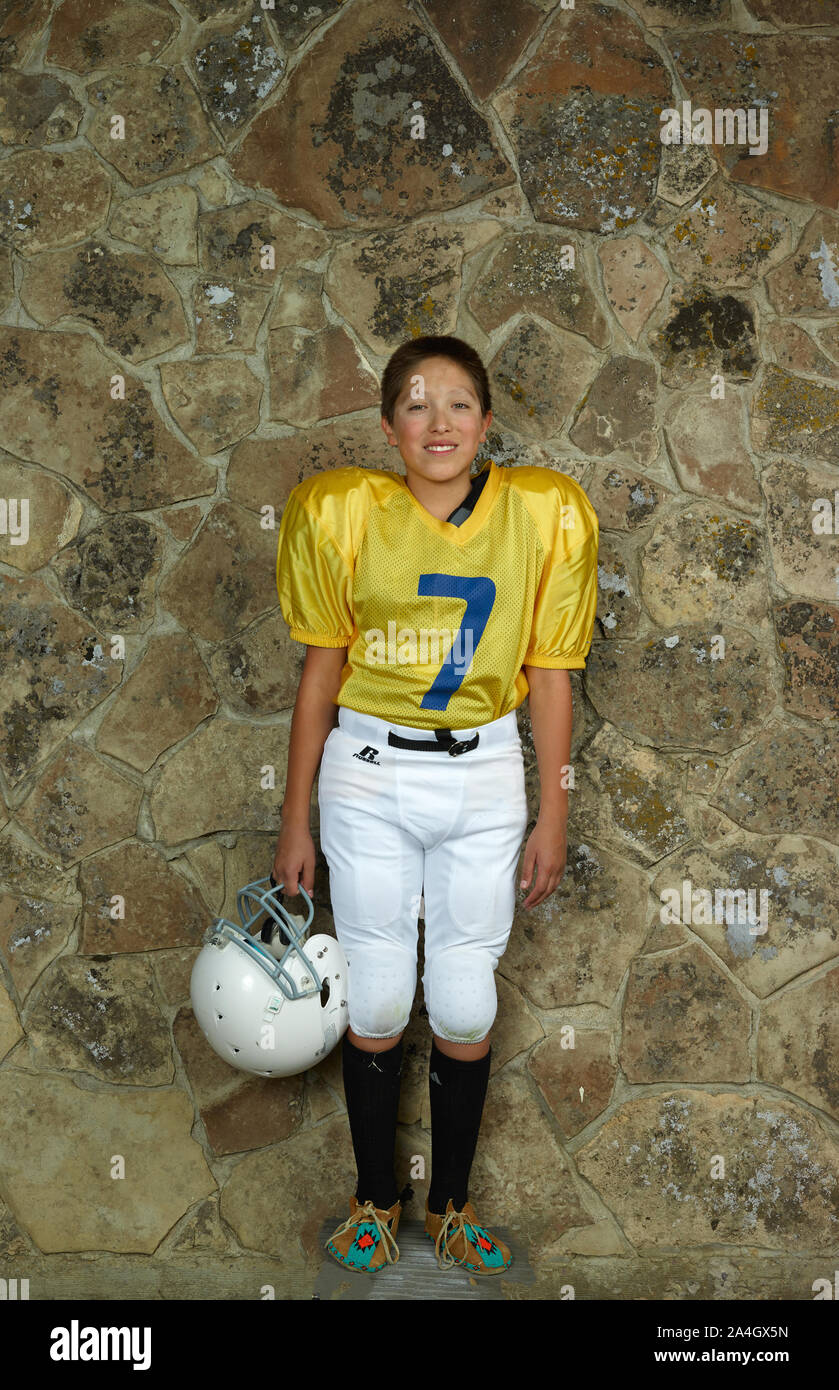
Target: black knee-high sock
371, 1086
458, 1091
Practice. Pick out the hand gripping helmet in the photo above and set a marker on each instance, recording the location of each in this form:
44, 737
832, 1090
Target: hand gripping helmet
264, 1003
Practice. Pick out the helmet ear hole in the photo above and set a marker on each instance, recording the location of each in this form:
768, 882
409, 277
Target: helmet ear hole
324, 994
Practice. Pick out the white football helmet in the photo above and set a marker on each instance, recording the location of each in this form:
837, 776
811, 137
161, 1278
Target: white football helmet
265, 1004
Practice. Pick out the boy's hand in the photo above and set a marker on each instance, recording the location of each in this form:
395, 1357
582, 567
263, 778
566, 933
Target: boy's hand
294, 860
546, 851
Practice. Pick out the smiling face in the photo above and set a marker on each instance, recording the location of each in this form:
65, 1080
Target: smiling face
437, 422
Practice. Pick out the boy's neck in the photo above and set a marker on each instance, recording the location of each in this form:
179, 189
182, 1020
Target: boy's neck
441, 499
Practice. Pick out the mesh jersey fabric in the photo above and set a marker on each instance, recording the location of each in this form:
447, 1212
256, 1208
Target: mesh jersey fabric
438, 619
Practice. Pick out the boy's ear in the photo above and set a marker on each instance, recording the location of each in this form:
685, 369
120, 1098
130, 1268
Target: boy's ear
388, 429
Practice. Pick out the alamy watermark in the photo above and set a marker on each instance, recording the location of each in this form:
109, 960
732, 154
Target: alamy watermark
704, 906
429, 646
722, 126
14, 519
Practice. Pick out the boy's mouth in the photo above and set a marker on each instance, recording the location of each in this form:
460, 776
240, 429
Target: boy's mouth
440, 448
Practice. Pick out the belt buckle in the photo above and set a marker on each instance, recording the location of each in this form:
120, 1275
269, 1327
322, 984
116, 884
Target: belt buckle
462, 746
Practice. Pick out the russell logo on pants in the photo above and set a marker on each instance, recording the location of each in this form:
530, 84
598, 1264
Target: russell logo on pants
368, 755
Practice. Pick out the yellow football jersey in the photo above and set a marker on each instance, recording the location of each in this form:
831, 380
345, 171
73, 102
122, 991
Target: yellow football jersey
439, 619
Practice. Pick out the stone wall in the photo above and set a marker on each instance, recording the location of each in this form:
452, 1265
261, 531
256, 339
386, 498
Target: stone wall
217, 222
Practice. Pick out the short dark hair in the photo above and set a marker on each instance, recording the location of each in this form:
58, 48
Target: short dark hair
407, 357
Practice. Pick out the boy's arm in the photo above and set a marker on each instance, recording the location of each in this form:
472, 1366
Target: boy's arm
551, 717
311, 724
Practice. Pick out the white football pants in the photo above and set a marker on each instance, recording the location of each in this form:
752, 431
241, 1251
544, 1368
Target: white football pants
398, 824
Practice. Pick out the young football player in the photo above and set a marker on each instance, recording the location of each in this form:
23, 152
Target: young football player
430, 605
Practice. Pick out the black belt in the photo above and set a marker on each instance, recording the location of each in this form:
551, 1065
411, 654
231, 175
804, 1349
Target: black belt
445, 742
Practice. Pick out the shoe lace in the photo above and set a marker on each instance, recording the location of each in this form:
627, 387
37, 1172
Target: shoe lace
454, 1222
368, 1212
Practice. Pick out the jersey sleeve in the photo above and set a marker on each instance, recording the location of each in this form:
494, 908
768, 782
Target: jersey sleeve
314, 580
566, 601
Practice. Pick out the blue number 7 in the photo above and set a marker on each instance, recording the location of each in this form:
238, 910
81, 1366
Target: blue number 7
480, 596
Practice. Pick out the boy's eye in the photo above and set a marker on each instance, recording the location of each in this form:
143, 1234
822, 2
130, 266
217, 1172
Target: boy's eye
419, 405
